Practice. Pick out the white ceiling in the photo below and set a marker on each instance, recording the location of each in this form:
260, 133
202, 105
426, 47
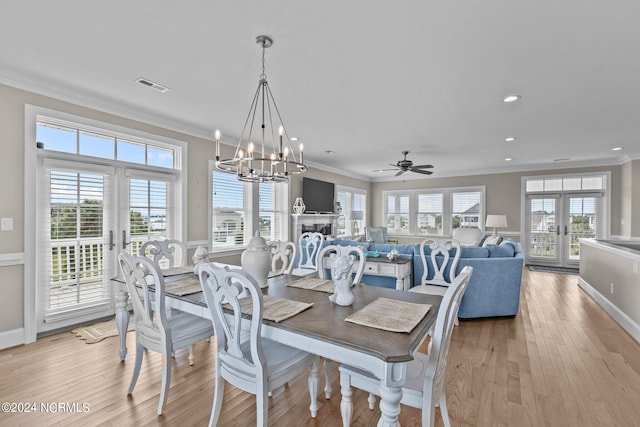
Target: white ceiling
366, 79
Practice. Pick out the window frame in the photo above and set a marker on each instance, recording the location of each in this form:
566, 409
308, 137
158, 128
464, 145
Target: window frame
447, 206
349, 228
252, 212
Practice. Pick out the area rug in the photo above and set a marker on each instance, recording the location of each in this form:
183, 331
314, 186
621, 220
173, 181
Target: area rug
559, 270
99, 331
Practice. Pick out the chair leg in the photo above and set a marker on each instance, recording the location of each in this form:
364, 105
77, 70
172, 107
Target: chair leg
191, 358
372, 401
262, 406
136, 367
217, 399
444, 411
327, 378
313, 386
346, 405
166, 382
429, 410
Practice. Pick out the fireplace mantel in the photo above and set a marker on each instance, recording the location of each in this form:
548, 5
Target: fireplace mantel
324, 223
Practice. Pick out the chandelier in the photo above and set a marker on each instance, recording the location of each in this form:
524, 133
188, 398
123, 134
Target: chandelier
264, 161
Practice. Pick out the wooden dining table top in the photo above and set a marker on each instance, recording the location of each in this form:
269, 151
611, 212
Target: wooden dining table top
326, 321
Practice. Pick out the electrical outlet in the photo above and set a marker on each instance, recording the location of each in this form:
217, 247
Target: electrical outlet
611, 288
6, 224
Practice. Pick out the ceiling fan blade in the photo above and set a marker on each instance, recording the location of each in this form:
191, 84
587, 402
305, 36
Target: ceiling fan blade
422, 167
384, 170
421, 171
400, 172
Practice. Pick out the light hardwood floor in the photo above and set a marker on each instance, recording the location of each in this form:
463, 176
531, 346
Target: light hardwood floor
560, 362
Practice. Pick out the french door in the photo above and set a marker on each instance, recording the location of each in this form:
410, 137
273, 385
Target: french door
556, 222
83, 225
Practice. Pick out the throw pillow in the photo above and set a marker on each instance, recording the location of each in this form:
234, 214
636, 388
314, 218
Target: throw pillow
494, 239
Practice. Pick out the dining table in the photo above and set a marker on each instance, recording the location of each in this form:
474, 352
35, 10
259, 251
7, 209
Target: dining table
325, 329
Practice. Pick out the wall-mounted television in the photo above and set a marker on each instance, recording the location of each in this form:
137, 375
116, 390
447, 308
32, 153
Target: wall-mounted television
318, 195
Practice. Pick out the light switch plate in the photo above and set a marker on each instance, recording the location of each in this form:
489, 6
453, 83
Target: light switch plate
6, 224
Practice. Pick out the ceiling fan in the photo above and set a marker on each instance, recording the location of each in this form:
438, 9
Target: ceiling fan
405, 165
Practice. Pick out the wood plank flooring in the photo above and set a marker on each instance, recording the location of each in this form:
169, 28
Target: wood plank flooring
562, 361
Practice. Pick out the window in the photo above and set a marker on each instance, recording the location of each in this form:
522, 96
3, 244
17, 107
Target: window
58, 135
239, 209
353, 204
436, 212
430, 213
228, 211
398, 214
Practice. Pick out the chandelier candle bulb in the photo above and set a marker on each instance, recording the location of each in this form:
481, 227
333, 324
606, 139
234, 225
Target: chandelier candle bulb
301, 149
281, 131
217, 137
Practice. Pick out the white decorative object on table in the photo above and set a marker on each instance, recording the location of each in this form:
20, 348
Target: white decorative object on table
338, 208
298, 206
200, 256
341, 273
256, 259
392, 255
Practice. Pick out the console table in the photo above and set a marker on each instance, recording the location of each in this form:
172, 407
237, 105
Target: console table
400, 269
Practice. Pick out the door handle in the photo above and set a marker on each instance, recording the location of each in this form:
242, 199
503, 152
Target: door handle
124, 240
558, 231
566, 231
111, 243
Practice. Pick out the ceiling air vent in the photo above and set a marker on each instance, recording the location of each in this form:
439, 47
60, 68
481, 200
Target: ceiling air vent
153, 85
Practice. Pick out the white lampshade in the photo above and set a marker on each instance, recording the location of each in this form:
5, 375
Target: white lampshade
356, 215
496, 221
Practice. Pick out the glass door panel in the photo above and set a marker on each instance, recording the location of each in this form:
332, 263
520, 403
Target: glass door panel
543, 229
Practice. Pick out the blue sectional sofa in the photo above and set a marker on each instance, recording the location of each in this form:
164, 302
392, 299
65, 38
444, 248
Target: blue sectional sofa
494, 289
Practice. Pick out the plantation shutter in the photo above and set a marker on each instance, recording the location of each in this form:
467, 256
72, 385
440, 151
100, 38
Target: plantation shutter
273, 209
228, 211
75, 260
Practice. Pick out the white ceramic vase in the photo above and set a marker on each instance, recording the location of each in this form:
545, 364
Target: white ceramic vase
256, 260
341, 273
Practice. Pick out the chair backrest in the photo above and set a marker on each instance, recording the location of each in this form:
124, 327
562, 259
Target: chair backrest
166, 253
435, 372
283, 256
376, 234
336, 251
224, 288
309, 245
439, 247
152, 325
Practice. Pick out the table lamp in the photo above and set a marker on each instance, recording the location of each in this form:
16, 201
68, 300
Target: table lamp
496, 221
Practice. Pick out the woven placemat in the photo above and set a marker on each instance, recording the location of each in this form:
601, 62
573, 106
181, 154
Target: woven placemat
313, 284
274, 308
390, 315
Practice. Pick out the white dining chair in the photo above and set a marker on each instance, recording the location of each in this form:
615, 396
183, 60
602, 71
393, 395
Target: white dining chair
426, 374
283, 256
254, 364
438, 284
166, 253
333, 251
154, 331
309, 244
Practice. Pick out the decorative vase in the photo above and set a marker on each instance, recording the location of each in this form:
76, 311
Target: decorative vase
298, 206
256, 260
392, 255
341, 273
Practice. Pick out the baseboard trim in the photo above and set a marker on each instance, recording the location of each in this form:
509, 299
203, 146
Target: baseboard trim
11, 338
618, 315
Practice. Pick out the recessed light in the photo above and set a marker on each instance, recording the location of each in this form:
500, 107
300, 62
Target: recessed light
510, 138
511, 98
564, 159
378, 170
617, 149
152, 85
293, 138
508, 159
330, 152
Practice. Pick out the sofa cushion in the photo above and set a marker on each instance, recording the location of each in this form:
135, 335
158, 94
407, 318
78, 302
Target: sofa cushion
474, 252
498, 251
